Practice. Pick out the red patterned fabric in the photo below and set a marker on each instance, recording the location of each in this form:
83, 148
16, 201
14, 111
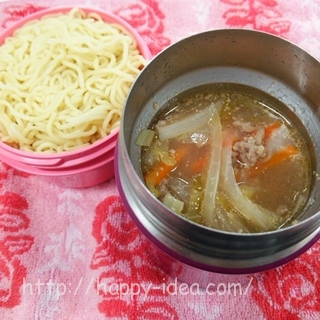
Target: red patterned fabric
76, 254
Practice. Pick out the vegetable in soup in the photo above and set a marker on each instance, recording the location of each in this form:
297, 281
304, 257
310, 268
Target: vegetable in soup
226, 158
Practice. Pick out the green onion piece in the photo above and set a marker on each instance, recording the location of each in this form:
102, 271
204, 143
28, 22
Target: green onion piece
145, 138
197, 218
168, 160
153, 189
172, 203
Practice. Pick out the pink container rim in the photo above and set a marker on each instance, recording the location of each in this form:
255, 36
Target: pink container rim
101, 151
107, 160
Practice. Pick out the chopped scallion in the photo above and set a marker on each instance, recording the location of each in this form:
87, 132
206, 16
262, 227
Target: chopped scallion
172, 203
145, 138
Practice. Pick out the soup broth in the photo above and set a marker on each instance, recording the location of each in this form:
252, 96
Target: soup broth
226, 157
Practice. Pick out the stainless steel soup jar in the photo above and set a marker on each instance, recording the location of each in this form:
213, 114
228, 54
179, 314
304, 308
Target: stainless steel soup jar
257, 60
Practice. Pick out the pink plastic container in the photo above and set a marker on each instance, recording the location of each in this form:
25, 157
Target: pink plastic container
87, 166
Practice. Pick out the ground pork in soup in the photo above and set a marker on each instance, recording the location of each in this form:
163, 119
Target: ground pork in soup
227, 158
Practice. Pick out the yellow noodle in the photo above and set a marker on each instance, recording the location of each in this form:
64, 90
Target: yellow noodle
64, 80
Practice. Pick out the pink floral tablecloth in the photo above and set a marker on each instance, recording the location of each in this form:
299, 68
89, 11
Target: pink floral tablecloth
76, 254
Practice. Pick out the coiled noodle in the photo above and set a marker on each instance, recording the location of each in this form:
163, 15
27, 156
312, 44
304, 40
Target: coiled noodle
64, 80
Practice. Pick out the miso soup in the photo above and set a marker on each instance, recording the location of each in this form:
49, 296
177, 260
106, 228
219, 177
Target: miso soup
228, 158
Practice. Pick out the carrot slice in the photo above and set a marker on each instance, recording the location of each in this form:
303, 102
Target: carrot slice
270, 129
277, 158
160, 170
201, 163
158, 173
